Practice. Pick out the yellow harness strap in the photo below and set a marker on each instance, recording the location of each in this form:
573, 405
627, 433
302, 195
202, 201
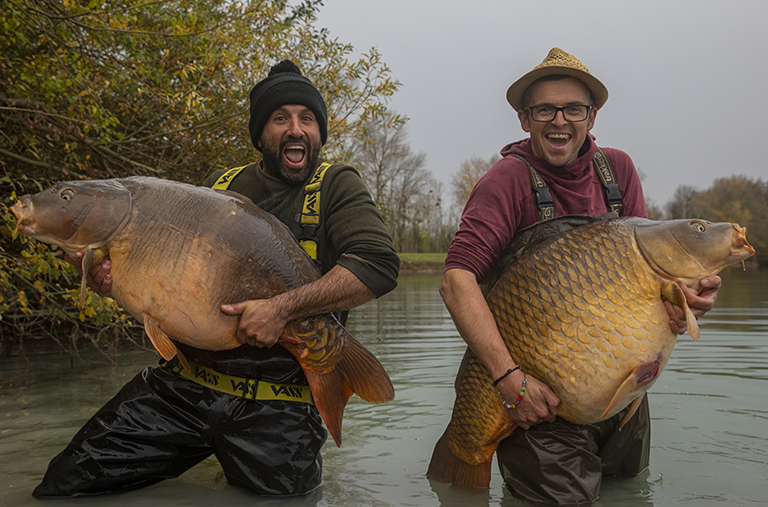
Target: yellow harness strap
310, 213
225, 179
247, 388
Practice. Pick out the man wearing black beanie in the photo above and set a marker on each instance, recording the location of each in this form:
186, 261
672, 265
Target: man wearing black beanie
161, 423
285, 85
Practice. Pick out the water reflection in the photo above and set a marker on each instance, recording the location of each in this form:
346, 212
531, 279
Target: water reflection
709, 438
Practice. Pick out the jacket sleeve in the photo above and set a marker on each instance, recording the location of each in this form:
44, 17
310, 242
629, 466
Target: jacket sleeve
357, 233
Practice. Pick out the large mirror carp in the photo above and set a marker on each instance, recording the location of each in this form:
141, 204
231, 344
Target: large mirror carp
179, 252
583, 313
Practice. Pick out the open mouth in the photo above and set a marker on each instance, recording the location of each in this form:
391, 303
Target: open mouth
295, 154
559, 140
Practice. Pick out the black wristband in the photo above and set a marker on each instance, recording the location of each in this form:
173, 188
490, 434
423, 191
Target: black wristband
496, 382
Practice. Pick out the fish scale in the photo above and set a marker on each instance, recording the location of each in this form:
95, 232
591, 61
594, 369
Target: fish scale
583, 313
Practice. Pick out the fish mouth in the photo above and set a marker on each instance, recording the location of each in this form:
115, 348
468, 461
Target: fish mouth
740, 247
21, 211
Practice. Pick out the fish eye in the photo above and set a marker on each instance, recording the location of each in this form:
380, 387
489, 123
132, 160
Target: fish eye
698, 226
67, 194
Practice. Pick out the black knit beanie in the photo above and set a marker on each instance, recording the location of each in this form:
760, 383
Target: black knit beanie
284, 85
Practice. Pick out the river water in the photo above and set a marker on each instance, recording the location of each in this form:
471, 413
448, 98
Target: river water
709, 410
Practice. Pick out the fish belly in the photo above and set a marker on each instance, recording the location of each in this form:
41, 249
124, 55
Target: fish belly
176, 298
584, 320
179, 263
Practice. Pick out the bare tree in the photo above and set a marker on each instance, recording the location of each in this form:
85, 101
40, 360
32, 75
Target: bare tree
406, 192
465, 179
682, 203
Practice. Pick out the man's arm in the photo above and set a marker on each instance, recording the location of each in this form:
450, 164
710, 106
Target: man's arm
475, 323
263, 320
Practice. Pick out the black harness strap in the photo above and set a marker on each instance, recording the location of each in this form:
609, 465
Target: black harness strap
608, 179
546, 204
544, 200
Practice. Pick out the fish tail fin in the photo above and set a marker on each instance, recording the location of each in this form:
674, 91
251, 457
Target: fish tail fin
351, 369
445, 466
364, 373
330, 394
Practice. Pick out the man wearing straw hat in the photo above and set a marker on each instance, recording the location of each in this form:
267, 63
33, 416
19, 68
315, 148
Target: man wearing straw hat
557, 171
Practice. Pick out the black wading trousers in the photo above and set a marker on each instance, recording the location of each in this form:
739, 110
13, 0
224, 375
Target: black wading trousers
160, 424
563, 463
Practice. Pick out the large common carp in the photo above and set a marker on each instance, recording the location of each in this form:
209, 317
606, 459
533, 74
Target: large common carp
583, 313
179, 252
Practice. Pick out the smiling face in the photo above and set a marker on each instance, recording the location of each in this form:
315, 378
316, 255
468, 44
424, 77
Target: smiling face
290, 143
557, 142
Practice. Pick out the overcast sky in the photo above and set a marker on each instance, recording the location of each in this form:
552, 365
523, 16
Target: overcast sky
687, 79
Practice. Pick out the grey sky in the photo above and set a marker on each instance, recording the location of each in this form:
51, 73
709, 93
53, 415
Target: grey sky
687, 79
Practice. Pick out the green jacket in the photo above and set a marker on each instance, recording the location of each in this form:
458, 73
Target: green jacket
351, 232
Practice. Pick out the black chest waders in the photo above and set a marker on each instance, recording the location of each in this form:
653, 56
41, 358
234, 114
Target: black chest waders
561, 462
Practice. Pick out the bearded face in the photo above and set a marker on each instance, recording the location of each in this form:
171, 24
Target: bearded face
290, 143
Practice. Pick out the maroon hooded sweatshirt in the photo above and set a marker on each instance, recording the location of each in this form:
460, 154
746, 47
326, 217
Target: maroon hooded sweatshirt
503, 201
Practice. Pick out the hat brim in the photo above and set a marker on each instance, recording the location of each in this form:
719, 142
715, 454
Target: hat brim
517, 89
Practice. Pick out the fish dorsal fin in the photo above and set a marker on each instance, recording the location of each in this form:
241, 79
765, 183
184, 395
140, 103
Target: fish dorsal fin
160, 340
674, 294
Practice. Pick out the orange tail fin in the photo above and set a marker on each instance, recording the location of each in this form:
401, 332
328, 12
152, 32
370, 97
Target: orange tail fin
445, 466
357, 371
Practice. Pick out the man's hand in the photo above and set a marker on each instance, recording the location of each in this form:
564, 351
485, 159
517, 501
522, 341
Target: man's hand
98, 278
699, 304
539, 403
261, 322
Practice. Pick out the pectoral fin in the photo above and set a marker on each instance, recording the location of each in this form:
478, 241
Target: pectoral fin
91, 258
86, 267
162, 343
674, 294
641, 375
632, 409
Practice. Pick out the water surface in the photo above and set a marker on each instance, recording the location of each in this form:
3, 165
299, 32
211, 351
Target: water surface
709, 410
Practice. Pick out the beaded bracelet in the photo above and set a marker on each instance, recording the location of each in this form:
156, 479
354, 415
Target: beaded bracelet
519, 398
496, 382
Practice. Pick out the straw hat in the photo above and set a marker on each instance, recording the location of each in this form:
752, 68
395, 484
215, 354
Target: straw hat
558, 62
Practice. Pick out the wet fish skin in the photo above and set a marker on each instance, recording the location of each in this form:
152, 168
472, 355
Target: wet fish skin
179, 252
583, 313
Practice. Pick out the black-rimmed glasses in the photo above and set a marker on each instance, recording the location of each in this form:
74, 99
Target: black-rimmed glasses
548, 113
